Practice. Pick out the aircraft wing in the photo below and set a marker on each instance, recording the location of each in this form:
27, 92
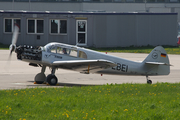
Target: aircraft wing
84, 66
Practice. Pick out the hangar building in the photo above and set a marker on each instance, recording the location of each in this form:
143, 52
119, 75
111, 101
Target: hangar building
89, 23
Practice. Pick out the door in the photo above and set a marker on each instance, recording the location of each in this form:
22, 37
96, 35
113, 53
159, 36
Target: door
81, 32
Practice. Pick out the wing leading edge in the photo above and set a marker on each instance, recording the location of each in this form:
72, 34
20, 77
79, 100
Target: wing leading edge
84, 66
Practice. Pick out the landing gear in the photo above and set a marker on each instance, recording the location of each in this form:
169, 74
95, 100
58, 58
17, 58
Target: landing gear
51, 78
40, 77
148, 81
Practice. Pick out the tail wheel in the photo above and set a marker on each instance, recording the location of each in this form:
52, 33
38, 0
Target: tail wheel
149, 81
52, 79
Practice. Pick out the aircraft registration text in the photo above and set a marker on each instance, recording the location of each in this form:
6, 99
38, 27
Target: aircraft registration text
121, 67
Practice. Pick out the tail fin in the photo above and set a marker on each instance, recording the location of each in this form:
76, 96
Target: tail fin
158, 61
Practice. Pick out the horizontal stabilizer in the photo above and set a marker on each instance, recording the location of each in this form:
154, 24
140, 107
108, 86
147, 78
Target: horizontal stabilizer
158, 63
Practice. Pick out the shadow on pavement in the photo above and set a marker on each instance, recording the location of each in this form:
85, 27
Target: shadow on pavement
60, 84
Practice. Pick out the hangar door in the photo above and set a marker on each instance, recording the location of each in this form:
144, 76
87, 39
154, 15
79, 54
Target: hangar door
81, 32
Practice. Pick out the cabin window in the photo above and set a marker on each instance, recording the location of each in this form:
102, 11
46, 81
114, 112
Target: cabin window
54, 50
65, 51
61, 50
58, 50
9, 24
82, 55
73, 53
35, 26
58, 26
69, 52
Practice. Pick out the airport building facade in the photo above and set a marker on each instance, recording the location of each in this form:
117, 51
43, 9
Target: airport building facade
88, 23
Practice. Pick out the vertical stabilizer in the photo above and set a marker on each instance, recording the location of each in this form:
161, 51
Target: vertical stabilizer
158, 54
158, 61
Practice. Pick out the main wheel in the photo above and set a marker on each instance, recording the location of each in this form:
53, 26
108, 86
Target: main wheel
52, 79
149, 82
40, 78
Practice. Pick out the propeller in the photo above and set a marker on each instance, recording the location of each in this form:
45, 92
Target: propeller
12, 47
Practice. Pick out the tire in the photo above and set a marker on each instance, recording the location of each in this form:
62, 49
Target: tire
149, 82
40, 78
39, 82
52, 79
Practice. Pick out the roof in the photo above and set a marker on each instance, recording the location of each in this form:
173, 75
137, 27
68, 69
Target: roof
81, 12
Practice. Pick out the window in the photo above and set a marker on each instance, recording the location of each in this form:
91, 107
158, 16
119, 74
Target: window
58, 26
9, 24
35, 26
63, 26
54, 26
65, 51
73, 53
82, 55
81, 32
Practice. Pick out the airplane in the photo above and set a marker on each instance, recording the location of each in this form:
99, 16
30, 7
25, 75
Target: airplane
71, 57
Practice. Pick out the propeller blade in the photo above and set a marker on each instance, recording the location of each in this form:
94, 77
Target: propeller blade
15, 34
12, 47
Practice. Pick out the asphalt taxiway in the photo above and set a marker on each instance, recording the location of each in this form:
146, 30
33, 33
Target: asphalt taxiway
16, 74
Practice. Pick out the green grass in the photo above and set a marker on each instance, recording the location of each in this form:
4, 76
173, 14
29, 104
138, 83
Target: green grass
159, 101
131, 49
143, 49
4, 47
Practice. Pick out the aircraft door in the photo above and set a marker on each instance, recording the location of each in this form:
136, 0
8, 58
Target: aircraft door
81, 32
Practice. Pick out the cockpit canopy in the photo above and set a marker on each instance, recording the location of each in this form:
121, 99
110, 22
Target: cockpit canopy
65, 49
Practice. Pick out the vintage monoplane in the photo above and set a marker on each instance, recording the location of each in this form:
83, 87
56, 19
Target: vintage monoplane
58, 55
